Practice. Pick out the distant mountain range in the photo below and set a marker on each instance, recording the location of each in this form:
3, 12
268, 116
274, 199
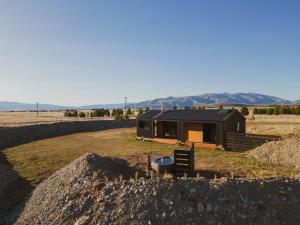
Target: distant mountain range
169, 102
213, 99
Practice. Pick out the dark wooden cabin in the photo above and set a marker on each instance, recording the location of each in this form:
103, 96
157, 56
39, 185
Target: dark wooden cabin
192, 126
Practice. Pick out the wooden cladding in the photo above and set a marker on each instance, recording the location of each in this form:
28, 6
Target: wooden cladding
241, 141
194, 132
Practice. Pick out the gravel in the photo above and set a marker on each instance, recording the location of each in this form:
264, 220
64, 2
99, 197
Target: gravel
285, 152
80, 194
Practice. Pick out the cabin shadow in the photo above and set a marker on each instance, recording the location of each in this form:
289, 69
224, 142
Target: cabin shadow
211, 174
14, 136
13, 191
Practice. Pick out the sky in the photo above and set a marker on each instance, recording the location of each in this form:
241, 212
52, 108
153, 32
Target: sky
75, 52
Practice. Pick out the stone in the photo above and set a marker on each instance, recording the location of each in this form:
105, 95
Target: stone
166, 201
209, 207
200, 207
82, 220
193, 190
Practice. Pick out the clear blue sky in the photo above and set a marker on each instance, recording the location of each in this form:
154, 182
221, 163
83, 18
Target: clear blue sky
83, 52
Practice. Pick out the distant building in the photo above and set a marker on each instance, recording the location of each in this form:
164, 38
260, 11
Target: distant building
192, 126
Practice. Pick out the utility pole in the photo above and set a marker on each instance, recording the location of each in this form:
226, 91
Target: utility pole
125, 105
37, 109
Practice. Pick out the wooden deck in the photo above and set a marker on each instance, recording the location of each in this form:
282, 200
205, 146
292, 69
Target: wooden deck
174, 142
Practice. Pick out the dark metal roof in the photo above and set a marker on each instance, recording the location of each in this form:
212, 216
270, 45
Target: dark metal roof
192, 115
149, 115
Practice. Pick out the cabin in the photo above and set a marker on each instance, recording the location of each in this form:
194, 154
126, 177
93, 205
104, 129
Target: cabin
205, 127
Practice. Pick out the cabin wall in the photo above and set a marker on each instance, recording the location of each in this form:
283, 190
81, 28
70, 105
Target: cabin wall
181, 131
219, 134
231, 125
146, 133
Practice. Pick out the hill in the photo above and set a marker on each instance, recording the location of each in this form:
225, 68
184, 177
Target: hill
212, 99
181, 102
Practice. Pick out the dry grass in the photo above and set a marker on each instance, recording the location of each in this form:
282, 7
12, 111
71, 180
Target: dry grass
282, 125
38, 160
21, 118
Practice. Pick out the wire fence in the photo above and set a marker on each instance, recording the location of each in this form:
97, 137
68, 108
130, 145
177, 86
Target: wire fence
32, 123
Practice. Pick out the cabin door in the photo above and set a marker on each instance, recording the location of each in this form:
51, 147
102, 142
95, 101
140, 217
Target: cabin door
194, 132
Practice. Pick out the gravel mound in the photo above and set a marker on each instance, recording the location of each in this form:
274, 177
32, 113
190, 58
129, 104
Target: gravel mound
13, 189
285, 152
77, 195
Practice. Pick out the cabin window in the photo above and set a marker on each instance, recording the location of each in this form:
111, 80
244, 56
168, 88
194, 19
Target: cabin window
144, 125
238, 127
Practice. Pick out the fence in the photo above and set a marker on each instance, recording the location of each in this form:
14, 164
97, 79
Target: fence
240, 141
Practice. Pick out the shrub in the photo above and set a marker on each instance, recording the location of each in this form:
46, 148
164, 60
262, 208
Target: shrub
245, 111
82, 114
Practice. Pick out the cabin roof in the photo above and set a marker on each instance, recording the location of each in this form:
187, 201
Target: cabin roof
192, 115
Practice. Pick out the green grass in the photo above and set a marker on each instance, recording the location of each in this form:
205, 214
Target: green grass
38, 160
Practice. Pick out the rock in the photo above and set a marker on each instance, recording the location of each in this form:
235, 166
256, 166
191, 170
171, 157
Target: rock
82, 220
200, 207
190, 210
193, 190
209, 207
166, 201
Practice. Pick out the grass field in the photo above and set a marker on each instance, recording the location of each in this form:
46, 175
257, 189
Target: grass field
38, 160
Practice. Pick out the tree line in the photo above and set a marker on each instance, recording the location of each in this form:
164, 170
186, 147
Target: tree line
277, 110
118, 114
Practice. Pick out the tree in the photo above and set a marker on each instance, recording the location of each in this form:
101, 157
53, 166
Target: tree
107, 112
113, 113
141, 111
81, 114
128, 111
118, 116
220, 106
174, 107
255, 111
71, 113
245, 111
147, 109
100, 113
270, 111
277, 110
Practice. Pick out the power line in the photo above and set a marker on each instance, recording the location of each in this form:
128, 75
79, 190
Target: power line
37, 109
125, 104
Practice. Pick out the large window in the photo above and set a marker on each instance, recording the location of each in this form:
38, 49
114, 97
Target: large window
170, 129
144, 125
